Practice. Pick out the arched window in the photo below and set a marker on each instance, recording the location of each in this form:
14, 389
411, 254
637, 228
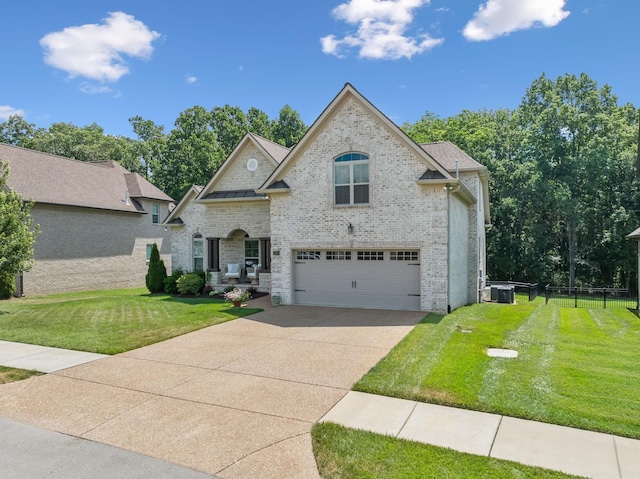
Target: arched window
198, 252
351, 179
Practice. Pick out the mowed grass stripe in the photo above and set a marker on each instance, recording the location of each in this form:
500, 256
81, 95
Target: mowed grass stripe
109, 322
576, 367
506, 381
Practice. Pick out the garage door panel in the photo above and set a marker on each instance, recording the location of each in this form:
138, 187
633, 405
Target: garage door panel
368, 283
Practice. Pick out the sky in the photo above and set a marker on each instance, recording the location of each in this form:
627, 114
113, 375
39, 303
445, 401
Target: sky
105, 61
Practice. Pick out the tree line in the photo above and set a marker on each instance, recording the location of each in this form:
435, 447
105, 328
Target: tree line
188, 154
563, 188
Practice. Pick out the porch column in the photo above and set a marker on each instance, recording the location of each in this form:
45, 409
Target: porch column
214, 254
265, 253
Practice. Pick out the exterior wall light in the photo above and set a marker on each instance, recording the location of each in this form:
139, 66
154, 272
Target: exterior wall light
350, 228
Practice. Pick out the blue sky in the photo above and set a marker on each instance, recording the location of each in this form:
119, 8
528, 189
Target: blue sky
106, 61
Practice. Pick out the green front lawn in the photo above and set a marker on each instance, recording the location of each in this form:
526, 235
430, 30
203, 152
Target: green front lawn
347, 453
576, 367
109, 322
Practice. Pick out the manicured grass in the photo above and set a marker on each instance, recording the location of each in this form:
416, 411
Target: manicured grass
348, 453
109, 322
9, 375
576, 367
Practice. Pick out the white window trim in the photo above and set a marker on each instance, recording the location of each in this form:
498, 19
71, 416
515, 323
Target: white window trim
352, 184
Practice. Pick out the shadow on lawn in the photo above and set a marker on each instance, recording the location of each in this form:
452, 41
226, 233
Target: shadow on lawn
432, 318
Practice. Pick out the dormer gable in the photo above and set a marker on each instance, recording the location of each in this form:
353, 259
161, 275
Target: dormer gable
244, 170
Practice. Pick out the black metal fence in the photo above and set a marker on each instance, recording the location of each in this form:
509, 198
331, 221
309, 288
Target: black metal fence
528, 291
607, 298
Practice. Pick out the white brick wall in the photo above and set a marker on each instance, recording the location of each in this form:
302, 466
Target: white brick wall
237, 177
401, 214
229, 221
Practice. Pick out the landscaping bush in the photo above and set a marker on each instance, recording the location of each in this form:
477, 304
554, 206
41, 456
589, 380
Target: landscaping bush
170, 285
228, 289
157, 272
7, 284
191, 283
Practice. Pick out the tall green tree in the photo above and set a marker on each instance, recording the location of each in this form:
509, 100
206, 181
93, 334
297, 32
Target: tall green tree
230, 124
574, 132
192, 156
17, 235
259, 123
15, 131
288, 128
151, 145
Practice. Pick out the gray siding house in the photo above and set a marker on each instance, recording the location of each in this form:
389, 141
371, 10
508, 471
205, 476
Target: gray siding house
356, 215
97, 222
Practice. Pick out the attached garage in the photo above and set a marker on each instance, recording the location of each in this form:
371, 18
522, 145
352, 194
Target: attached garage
385, 279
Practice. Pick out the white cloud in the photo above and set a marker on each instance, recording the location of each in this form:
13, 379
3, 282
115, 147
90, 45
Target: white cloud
6, 111
90, 89
501, 17
382, 26
191, 79
95, 50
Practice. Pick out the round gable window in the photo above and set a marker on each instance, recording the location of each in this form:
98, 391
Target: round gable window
252, 164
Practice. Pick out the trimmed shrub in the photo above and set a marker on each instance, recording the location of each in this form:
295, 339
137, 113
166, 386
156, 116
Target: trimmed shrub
228, 289
157, 272
170, 285
191, 283
7, 284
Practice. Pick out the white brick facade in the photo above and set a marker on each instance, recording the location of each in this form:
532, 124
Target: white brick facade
403, 213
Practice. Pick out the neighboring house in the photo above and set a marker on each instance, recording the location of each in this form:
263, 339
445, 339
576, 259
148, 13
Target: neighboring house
97, 222
635, 235
356, 214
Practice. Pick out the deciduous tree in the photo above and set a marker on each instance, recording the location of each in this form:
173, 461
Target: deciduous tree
17, 235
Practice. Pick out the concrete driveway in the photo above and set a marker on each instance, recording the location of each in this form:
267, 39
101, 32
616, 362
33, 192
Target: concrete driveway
236, 400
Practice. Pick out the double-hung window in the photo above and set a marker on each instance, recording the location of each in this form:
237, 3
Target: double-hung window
251, 252
155, 214
351, 179
198, 252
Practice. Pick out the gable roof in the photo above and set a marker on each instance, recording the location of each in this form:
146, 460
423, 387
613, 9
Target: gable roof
50, 179
446, 153
274, 152
173, 218
635, 234
349, 91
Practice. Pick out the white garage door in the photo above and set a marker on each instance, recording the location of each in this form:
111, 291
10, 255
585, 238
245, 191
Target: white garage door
359, 278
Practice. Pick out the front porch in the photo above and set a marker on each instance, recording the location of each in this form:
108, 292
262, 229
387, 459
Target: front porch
218, 282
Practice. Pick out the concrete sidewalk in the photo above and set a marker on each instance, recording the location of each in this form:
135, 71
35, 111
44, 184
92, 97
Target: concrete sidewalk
42, 358
573, 451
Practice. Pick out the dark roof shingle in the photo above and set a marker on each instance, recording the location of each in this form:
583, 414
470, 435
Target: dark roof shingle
53, 179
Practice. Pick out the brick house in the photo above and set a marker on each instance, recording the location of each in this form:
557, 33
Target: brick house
97, 222
356, 214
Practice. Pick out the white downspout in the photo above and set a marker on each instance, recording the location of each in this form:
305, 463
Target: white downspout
450, 189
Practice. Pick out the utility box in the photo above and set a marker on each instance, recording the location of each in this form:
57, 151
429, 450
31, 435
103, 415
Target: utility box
486, 293
505, 294
494, 293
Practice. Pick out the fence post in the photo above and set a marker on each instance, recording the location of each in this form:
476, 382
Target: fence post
546, 294
604, 295
576, 297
